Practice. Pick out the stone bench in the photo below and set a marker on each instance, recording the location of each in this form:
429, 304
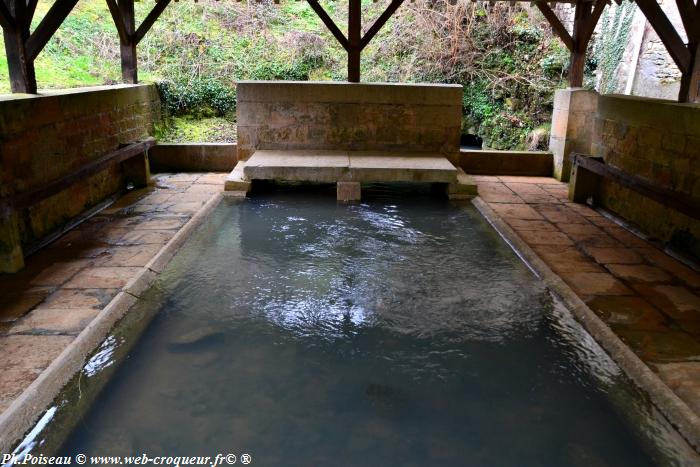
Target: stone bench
349, 169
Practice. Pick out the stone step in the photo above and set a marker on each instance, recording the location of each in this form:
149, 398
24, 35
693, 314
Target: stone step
236, 181
464, 188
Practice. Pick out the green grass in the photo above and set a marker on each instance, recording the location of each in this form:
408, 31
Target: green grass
191, 129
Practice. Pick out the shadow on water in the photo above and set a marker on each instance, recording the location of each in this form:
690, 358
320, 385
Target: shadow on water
398, 331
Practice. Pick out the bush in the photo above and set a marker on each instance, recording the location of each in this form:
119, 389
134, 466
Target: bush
205, 97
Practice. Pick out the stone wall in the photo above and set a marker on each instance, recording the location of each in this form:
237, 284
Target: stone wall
48, 136
327, 115
193, 157
660, 141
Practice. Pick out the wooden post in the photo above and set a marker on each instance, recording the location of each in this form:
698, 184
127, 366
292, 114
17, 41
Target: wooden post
690, 80
128, 44
577, 61
19, 63
585, 19
354, 39
694, 81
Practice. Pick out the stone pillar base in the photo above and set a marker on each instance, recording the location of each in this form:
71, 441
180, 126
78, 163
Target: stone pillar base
573, 127
11, 255
349, 191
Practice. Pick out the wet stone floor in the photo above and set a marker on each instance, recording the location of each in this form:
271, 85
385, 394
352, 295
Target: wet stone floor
66, 284
648, 298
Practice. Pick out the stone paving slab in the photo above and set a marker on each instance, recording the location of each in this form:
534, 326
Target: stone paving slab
650, 299
66, 285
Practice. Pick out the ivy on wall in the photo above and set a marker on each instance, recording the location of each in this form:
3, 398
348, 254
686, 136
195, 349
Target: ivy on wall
610, 44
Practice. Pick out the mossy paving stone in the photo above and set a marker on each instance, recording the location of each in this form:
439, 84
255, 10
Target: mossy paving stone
667, 346
632, 313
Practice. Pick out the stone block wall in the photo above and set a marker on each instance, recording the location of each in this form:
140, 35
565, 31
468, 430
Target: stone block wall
660, 141
45, 137
411, 118
193, 157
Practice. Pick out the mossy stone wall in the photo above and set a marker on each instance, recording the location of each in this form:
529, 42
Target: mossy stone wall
660, 141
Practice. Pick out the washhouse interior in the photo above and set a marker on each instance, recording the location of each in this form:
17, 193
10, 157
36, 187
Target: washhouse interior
357, 280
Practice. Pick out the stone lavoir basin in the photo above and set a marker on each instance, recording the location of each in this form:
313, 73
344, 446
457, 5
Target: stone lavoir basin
399, 331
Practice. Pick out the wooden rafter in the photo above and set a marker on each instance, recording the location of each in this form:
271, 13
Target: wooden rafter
380, 22
122, 12
48, 26
328, 21
588, 28
667, 33
355, 41
556, 25
148, 22
690, 15
118, 20
6, 19
31, 7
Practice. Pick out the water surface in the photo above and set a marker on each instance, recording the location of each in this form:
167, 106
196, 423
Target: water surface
401, 331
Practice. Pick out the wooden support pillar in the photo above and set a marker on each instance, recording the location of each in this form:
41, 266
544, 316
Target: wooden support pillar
690, 83
585, 19
127, 44
577, 61
354, 39
16, 33
690, 80
129, 37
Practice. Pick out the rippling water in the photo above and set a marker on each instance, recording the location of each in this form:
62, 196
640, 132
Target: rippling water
401, 331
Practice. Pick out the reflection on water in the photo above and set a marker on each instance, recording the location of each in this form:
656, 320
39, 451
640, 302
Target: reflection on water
400, 331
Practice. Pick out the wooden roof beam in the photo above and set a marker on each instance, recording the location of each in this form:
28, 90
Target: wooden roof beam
556, 25
328, 21
6, 20
588, 28
380, 22
48, 26
148, 22
118, 20
690, 15
667, 33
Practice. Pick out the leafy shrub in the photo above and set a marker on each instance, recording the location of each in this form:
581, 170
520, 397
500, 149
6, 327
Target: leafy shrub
205, 97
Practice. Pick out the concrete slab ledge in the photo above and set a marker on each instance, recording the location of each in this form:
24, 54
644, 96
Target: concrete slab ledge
492, 162
24, 412
355, 166
193, 157
666, 401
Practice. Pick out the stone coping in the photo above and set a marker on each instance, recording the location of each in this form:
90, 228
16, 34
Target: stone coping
276, 92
